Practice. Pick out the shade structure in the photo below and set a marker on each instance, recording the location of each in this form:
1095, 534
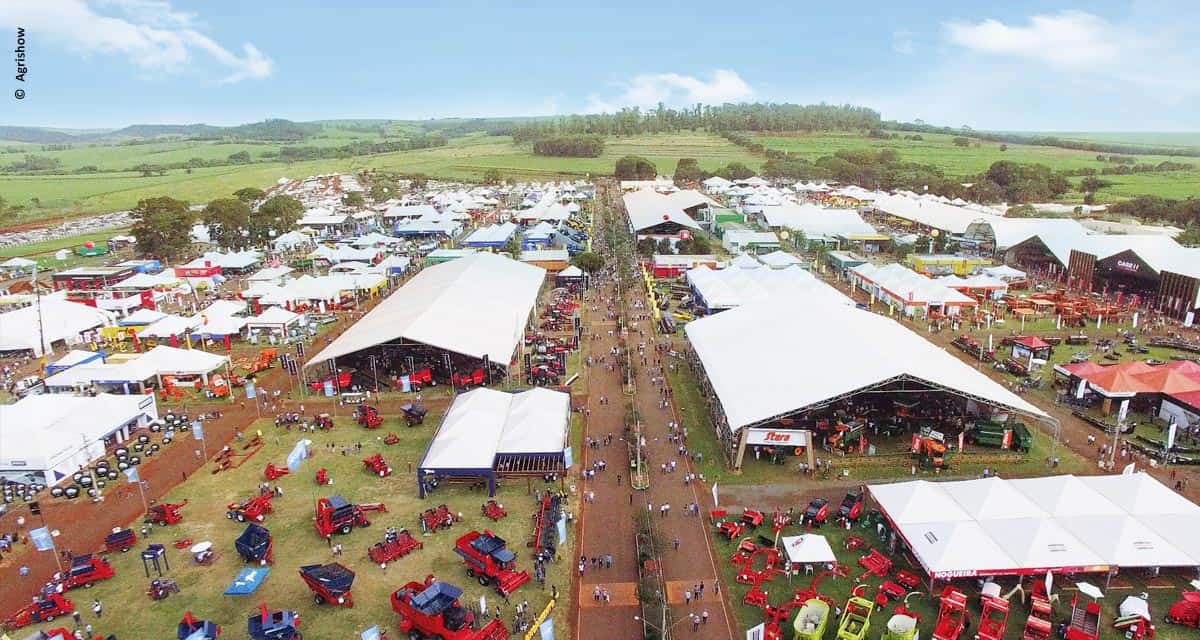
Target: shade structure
648, 208
736, 285
956, 549
477, 306
1037, 544
1124, 541
47, 321
991, 498
1065, 496
809, 548
1140, 494
849, 350
920, 501
1180, 530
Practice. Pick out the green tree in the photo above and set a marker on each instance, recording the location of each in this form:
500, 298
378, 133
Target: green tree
1093, 184
688, 170
1004, 147
249, 194
227, 218
162, 227
663, 247
588, 261
960, 141
635, 168
241, 157
513, 247
646, 247
493, 177
354, 199
276, 216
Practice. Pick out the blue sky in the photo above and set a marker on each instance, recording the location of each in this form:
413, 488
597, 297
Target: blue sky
1120, 66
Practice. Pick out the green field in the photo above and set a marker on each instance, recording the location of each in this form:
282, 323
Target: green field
296, 543
965, 162
1178, 139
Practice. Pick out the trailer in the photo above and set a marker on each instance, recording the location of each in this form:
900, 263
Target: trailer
253, 509
1002, 435
381, 553
488, 559
431, 610
330, 583
166, 513
45, 608
952, 615
856, 619
274, 625
85, 570
414, 414
256, 545
851, 507
337, 515
811, 620
122, 540
190, 628
993, 619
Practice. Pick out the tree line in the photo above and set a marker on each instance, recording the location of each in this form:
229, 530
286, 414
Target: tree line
1045, 141
163, 225
570, 146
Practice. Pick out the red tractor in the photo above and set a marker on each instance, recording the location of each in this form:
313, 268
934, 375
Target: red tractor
431, 610
323, 421
368, 416
49, 605
816, 514
165, 514
993, 619
253, 509
852, 506
85, 570
489, 560
1187, 611
337, 515
952, 615
273, 472
376, 465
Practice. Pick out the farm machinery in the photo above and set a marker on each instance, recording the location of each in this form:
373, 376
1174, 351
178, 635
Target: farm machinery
165, 514
393, 547
1038, 625
414, 414
256, 545
330, 583
274, 625
161, 588
85, 570
252, 509
993, 619
440, 517
274, 472
847, 437
368, 416
545, 538
337, 515
952, 615
493, 510
816, 513
489, 560
322, 477
1133, 618
929, 449
46, 607
192, 629
1001, 435
431, 610
851, 507
856, 619
376, 465
811, 620
1085, 621
121, 540
1186, 612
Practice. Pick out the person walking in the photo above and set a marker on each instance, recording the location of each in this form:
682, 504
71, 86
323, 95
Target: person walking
97, 608
687, 598
704, 617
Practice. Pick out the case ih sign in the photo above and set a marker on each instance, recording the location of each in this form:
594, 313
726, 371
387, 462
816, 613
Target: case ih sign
777, 437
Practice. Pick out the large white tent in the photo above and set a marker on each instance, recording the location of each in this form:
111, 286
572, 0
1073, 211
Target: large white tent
856, 350
486, 431
647, 208
734, 286
477, 306
58, 320
1060, 523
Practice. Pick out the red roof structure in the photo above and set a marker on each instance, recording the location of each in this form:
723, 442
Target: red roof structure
1033, 343
1171, 381
1190, 398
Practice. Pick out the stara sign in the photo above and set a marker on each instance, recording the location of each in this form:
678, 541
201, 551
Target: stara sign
780, 437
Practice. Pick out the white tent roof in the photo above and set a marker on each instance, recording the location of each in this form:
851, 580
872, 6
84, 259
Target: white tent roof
808, 548
857, 349
990, 498
1140, 494
17, 263
778, 259
491, 234
172, 325
1039, 543
571, 272
1125, 542
648, 208
273, 317
60, 320
918, 501
171, 360
947, 547
483, 422
40, 428
1180, 530
733, 287
816, 221
269, 274
144, 316
1065, 496
476, 305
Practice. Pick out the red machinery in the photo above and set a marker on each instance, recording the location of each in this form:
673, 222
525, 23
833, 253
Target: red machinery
376, 465
160, 588
752, 518
273, 473
189, 627
731, 530
330, 583
816, 513
323, 477
993, 619
489, 560
1085, 621
323, 421
274, 625
1187, 611
342, 382
438, 518
431, 610
852, 506
122, 540
253, 509
875, 563
493, 510
336, 515
368, 416
165, 514
403, 544
545, 538
1037, 626
952, 615
85, 570
48, 606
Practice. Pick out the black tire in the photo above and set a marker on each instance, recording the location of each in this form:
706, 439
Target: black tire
318, 599
241, 517
415, 635
470, 572
345, 529
88, 585
484, 581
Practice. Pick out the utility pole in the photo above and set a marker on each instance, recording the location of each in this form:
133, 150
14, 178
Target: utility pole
37, 293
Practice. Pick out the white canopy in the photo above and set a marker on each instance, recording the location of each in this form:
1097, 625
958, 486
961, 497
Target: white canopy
1140, 494
856, 350
991, 498
483, 423
274, 317
571, 272
733, 287
171, 325
1039, 543
60, 320
808, 548
648, 208
816, 221
779, 259
956, 548
476, 305
18, 263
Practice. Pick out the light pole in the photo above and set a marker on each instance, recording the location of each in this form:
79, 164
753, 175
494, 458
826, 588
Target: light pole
665, 629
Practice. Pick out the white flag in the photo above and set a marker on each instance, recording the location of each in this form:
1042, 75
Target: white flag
714, 492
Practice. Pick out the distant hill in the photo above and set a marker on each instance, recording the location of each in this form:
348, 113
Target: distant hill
35, 135
276, 130
152, 131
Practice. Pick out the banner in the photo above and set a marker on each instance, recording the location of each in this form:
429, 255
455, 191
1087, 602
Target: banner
756, 632
568, 458
1129, 469
1135, 319
1049, 582
1171, 434
41, 539
251, 392
132, 474
778, 437
405, 384
562, 529
483, 606
298, 454
370, 634
328, 388
714, 494
546, 629
1123, 412
1081, 389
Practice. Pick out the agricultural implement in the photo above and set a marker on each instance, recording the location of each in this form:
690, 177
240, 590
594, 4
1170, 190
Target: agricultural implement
256, 545
493, 510
336, 515
160, 588
376, 465
322, 477
122, 540
752, 518
274, 625
414, 414
1002, 435
273, 472
1037, 625
816, 513
323, 421
251, 509
192, 629
993, 619
545, 537
851, 507
489, 560
1085, 621
85, 570
952, 615
730, 529
330, 583
811, 620
49, 605
900, 626
856, 619
165, 514
1186, 612
402, 544
440, 517
875, 563
431, 610
368, 416
1133, 619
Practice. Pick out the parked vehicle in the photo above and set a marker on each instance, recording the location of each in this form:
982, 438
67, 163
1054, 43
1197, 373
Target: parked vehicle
337, 515
489, 560
330, 583
84, 571
856, 619
431, 610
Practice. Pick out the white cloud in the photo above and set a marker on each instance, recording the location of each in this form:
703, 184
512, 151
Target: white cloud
648, 89
151, 34
902, 41
1071, 39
